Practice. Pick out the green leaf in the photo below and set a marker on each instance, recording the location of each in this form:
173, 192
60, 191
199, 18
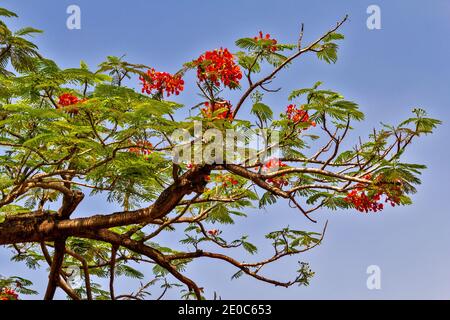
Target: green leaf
6, 13
262, 111
333, 36
267, 198
328, 52
220, 214
237, 275
129, 272
250, 248
247, 43
27, 31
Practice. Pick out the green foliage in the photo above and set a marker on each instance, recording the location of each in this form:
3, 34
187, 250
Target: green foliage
129, 272
267, 198
119, 69
305, 274
6, 13
15, 49
12, 209
327, 49
329, 103
249, 247
422, 123
221, 214
30, 256
257, 51
248, 62
262, 111
20, 285
288, 240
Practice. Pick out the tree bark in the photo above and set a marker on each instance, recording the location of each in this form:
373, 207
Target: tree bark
55, 269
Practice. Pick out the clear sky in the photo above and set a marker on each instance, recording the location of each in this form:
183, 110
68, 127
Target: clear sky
388, 72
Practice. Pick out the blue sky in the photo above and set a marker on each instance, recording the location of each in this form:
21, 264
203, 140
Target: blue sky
387, 71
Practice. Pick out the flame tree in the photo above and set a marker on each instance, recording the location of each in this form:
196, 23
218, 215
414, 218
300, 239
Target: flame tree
70, 135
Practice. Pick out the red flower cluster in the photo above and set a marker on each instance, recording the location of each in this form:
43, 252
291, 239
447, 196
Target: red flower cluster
393, 195
142, 148
274, 164
298, 115
271, 43
8, 294
365, 202
160, 82
67, 99
218, 66
227, 181
209, 110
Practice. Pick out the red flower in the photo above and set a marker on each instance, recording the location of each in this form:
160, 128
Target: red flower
209, 110
160, 82
218, 66
142, 148
8, 294
267, 42
226, 181
67, 99
365, 201
298, 115
273, 165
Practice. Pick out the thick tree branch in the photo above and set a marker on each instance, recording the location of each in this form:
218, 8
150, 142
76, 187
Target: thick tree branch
55, 269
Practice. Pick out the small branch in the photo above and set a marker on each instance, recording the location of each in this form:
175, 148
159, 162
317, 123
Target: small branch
301, 209
300, 38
